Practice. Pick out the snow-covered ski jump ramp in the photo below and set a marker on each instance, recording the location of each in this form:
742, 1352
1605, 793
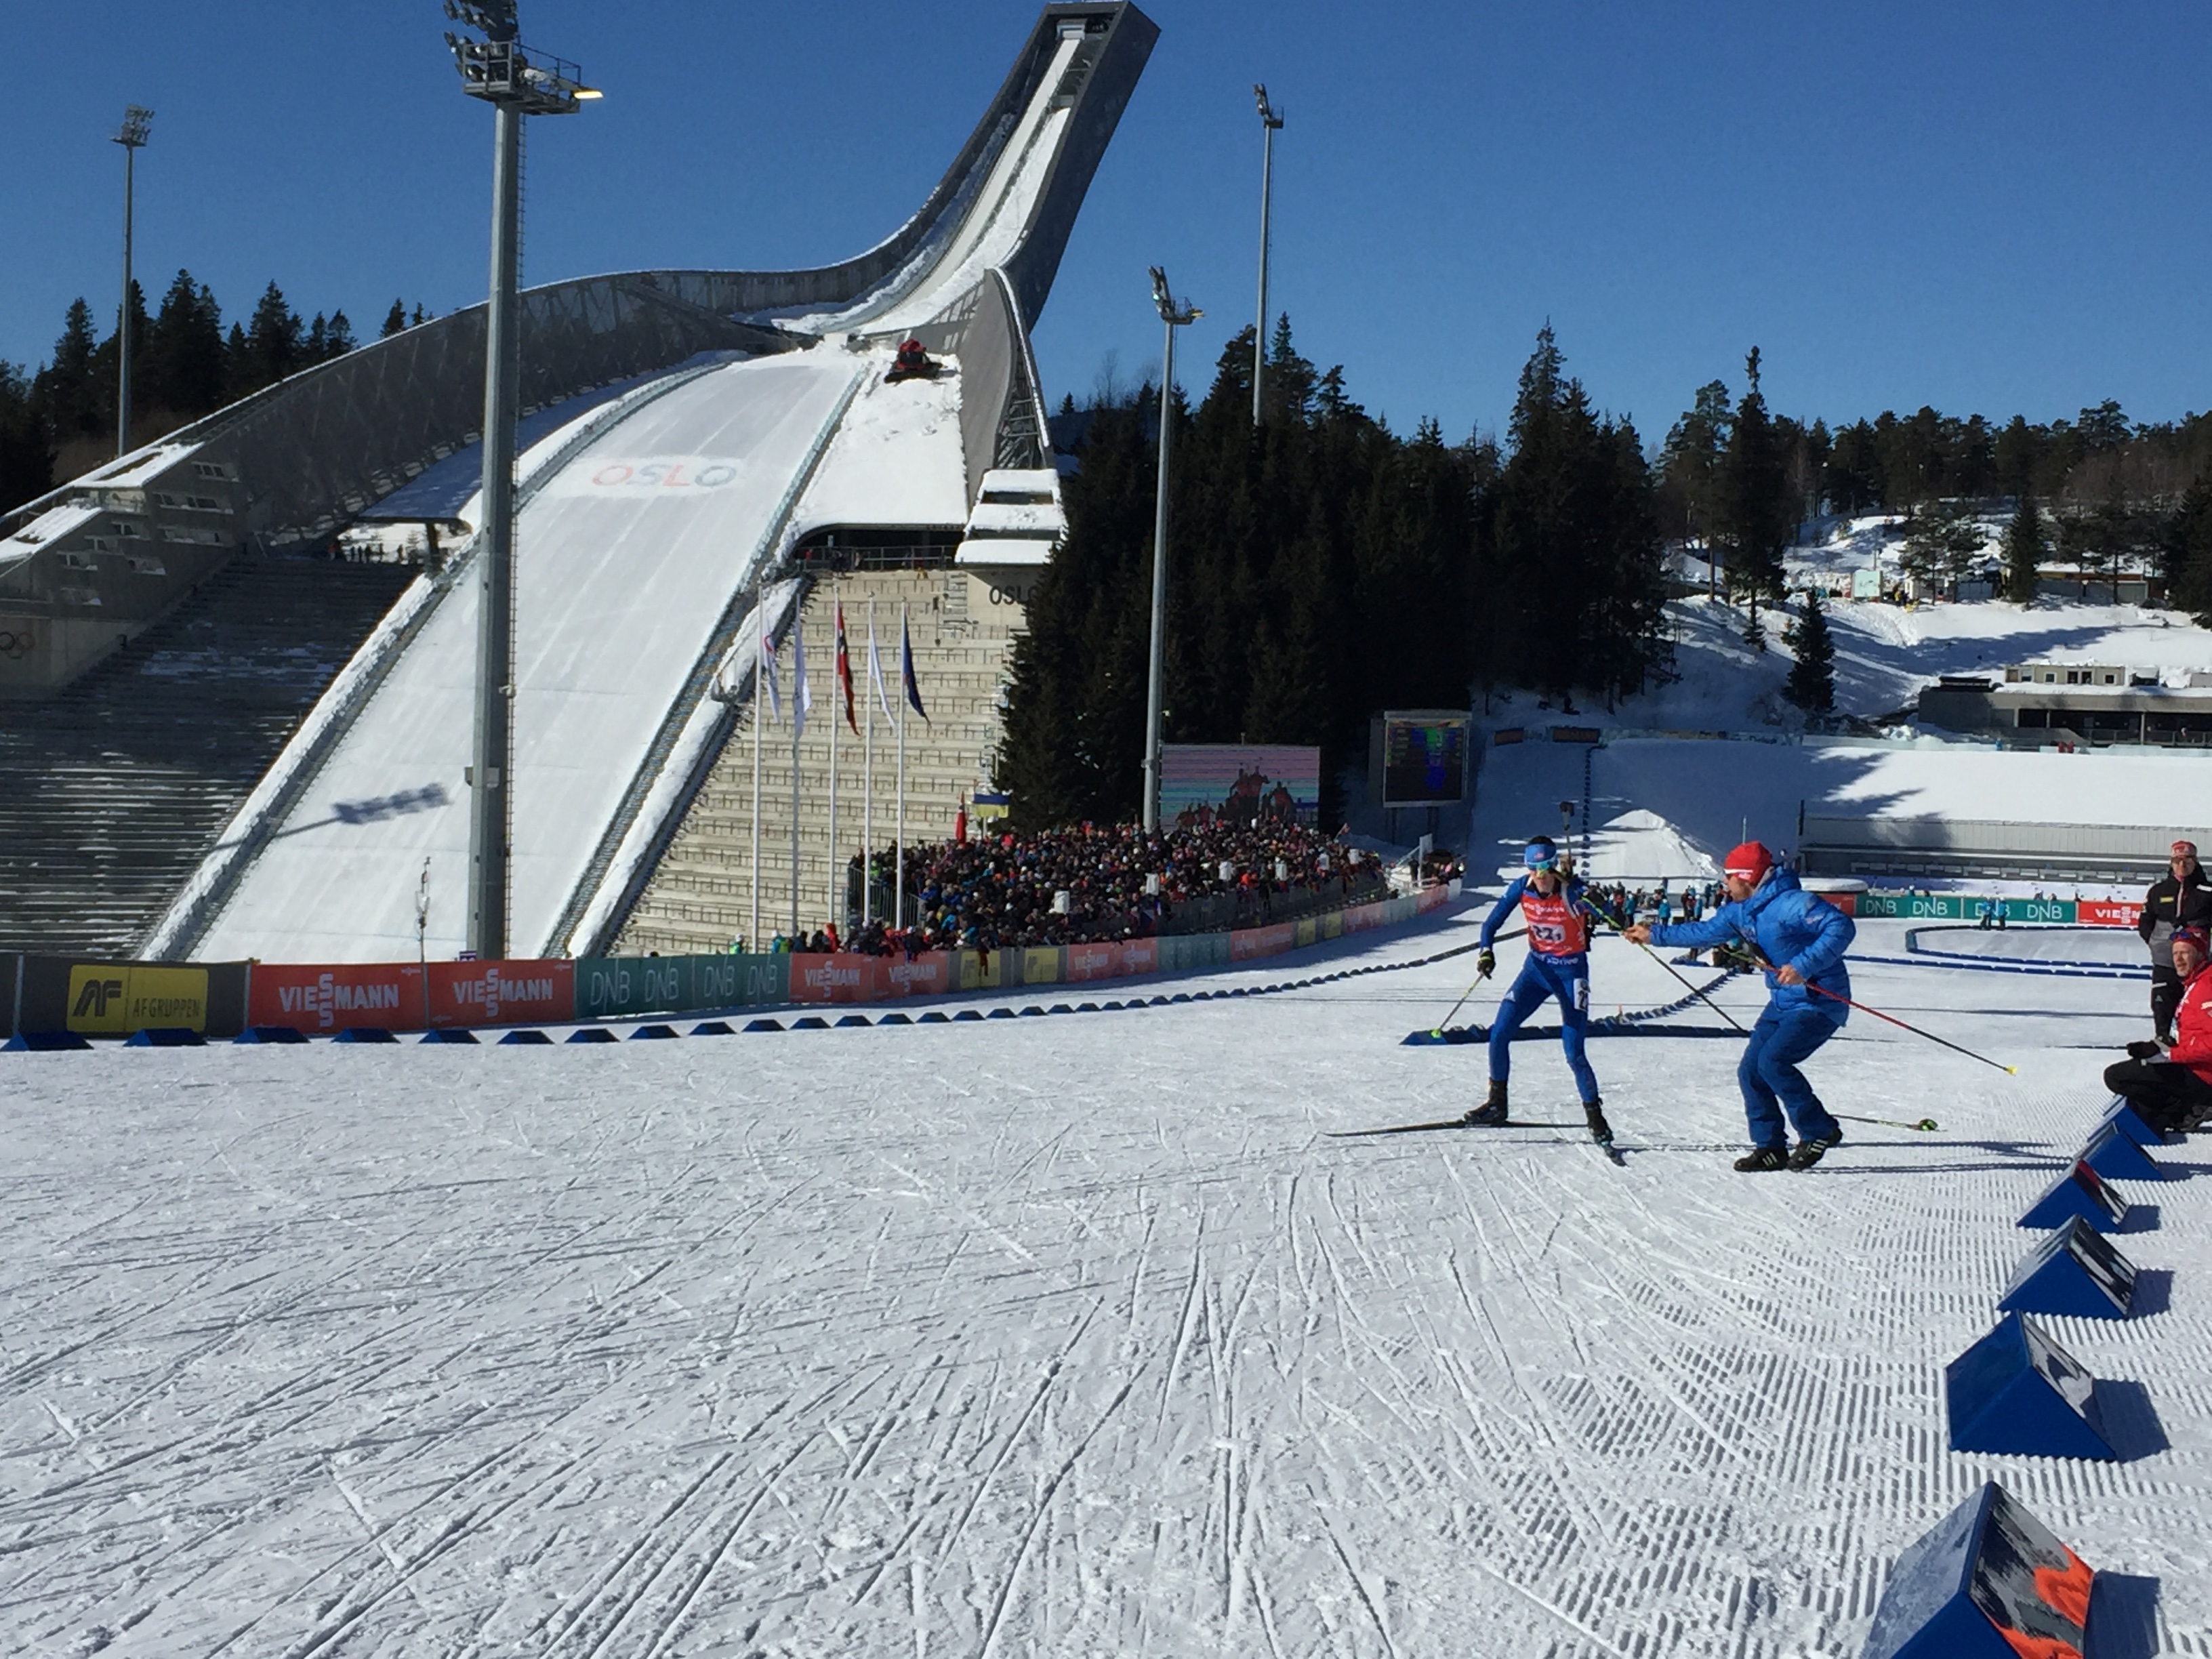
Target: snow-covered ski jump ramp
657, 509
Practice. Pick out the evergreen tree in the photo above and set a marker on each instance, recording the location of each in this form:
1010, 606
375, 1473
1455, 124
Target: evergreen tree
2025, 546
273, 345
1943, 541
107, 365
1691, 462
183, 361
1812, 683
1575, 584
66, 391
2188, 551
395, 321
1758, 517
1854, 479
27, 449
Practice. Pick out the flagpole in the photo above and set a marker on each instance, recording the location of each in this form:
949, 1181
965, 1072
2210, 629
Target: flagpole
868, 780
838, 612
901, 910
760, 667
797, 724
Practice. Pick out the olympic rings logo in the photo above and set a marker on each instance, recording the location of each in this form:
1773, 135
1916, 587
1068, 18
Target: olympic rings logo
15, 643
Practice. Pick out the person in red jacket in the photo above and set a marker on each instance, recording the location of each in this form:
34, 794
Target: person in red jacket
2173, 1090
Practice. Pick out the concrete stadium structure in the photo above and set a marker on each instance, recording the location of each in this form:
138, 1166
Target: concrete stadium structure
688, 436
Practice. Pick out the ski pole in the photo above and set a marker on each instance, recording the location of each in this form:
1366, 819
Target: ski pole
1890, 1122
1903, 1025
1614, 923
1470, 990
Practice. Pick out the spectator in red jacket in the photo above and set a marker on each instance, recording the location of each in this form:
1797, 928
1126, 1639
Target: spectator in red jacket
2173, 1090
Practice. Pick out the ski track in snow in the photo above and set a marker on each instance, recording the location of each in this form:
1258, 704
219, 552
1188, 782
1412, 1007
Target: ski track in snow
1067, 1336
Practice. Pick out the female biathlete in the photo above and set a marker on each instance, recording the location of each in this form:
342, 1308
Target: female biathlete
1558, 915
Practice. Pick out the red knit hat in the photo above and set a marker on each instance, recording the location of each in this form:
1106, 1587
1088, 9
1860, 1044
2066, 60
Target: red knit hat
2182, 849
1749, 862
2194, 933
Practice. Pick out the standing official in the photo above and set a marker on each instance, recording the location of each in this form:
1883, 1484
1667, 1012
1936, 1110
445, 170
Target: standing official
2181, 898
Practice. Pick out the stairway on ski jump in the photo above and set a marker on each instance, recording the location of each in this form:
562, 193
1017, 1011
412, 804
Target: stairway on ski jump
701, 896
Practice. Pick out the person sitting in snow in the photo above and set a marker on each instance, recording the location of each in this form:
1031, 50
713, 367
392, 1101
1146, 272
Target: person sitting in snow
2171, 1090
1557, 965
1800, 941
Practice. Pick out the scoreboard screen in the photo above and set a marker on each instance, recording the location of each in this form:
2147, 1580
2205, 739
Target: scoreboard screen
1424, 761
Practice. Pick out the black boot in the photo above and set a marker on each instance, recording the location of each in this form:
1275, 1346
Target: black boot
1760, 1160
1601, 1131
1492, 1112
1810, 1153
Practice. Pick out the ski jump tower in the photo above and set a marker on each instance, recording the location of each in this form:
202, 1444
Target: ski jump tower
689, 439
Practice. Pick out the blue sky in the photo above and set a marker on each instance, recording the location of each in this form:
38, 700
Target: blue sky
1987, 206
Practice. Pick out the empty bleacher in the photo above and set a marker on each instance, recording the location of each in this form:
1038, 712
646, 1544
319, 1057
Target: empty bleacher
111, 791
700, 898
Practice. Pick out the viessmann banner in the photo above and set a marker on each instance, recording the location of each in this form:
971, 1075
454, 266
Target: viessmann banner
320, 1000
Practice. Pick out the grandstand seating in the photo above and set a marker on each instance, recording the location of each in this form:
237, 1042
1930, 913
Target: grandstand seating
700, 898
111, 791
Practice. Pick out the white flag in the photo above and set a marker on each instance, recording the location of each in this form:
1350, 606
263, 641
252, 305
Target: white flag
876, 673
802, 694
767, 664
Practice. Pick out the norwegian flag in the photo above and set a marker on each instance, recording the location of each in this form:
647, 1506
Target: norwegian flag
844, 671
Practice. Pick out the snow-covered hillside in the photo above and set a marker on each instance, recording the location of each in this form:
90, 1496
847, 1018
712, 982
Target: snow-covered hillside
1884, 655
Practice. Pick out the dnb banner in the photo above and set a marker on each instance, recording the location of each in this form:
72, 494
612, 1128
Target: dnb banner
1239, 783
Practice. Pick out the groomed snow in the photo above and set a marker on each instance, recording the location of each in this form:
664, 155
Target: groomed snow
1068, 1335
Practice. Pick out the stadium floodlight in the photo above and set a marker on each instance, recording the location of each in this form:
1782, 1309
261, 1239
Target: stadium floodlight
1175, 313
1271, 123
137, 122
516, 83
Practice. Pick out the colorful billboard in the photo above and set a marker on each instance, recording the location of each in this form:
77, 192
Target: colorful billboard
1239, 783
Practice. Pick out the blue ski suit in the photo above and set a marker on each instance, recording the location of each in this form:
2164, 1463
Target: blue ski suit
1557, 966
1791, 928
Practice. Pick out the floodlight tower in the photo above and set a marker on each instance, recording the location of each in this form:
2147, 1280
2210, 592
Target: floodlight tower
515, 82
1175, 313
137, 121
1271, 123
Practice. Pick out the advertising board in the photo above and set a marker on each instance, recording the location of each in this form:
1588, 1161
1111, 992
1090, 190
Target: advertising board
318, 1000
840, 978
501, 993
115, 999
106, 1000
1239, 783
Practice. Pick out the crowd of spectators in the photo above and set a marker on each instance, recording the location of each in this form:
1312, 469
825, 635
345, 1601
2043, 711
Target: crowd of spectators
1685, 903
1092, 884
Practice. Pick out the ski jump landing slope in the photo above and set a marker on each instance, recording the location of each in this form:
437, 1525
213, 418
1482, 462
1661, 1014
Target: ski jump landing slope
649, 529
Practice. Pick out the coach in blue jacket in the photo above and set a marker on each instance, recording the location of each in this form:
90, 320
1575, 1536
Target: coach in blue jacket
1801, 941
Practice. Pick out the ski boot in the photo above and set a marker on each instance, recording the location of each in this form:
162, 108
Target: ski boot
1601, 1131
1760, 1160
1492, 1112
1810, 1153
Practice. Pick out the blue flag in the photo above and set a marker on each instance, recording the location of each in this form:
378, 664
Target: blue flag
906, 671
